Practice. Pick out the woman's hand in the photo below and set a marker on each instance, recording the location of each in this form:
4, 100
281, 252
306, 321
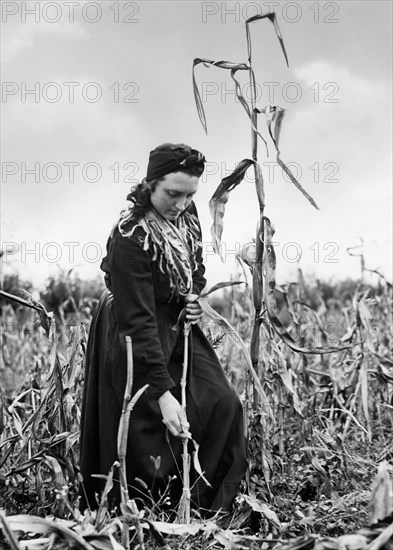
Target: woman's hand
193, 309
172, 415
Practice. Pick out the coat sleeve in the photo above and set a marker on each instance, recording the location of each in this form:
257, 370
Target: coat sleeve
133, 295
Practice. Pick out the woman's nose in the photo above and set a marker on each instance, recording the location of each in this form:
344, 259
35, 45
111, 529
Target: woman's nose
181, 203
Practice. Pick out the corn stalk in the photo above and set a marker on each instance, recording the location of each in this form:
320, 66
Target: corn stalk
264, 265
122, 438
184, 514
257, 272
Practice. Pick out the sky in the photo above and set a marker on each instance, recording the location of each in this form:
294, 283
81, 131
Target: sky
89, 88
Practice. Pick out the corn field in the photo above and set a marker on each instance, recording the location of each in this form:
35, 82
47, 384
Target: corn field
315, 443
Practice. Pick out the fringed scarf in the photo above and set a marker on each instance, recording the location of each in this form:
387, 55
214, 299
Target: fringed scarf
173, 246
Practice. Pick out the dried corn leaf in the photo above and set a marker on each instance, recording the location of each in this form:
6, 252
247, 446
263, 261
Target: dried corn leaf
104, 503
273, 19
279, 369
42, 543
180, 529
115, 545
220, 198
259, 185
35, 524
197, 464
363, 381
251, 112
104, 542
71, 440
7, 530
55, 439
347, 337
382, 372
381, 502
56, 469
229, 540
30, 302
274, 118
209, 63
262, 508
286, 378
382, 541
365, 318
239, 94
5, 454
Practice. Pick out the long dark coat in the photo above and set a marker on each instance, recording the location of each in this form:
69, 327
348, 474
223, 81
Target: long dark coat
138, 303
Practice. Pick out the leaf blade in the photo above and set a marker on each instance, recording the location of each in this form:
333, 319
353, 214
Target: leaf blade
220, 198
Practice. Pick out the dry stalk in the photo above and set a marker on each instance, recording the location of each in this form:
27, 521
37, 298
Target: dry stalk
184, 514
8, 534
382, 539
257, 271
122, 437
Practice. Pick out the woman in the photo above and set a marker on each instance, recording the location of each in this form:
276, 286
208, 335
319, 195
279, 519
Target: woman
153, 269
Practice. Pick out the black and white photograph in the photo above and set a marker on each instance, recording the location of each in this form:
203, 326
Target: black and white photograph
196, 275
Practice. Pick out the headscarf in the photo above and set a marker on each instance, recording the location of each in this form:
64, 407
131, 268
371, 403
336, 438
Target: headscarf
164, 161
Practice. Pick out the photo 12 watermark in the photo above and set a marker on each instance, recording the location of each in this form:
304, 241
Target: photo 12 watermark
69, 92
70, 11
51, 252
69, 172
291, 252
318, 171
290, 12
271, 92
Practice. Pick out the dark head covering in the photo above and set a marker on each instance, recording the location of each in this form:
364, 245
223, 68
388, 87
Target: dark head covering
165, 160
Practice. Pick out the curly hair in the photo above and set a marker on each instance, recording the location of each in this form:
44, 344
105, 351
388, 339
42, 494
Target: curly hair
139, 195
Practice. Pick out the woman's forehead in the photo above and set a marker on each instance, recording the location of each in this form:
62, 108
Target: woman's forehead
180, 182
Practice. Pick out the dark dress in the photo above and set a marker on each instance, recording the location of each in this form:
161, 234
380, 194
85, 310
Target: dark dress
138, 303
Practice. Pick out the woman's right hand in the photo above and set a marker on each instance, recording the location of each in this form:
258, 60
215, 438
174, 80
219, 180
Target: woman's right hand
172, 415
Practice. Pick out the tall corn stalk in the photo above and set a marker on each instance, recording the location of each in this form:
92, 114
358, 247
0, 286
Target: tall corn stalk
263, 267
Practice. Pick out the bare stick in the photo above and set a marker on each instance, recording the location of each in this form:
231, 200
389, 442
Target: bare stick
184, 506
122, 437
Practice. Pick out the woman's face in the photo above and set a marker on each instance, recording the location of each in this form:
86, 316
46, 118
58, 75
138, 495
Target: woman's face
173, 194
